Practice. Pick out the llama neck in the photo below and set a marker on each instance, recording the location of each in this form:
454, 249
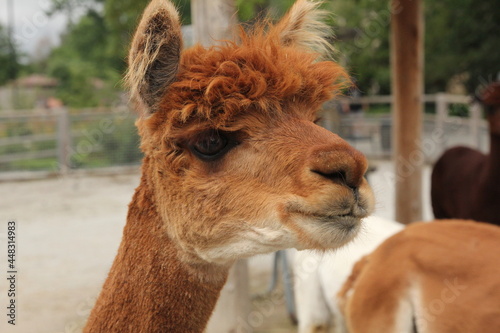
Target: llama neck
148, 288
494, 160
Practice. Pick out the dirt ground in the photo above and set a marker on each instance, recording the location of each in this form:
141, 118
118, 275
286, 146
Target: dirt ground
68, 232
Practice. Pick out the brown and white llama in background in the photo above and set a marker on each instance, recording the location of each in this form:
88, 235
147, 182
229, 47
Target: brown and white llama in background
438, 277
234, 166
465, 182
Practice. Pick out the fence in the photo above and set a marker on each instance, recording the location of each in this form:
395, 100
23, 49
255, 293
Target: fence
449, 120
60, 141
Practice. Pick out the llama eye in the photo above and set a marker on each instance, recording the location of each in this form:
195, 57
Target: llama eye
211, 145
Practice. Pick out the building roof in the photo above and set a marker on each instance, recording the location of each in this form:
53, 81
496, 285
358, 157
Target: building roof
37, 80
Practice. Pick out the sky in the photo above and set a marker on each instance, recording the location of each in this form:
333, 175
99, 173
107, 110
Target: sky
33, 29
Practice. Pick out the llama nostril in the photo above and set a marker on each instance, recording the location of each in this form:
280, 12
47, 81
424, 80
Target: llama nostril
338, 177
342, 165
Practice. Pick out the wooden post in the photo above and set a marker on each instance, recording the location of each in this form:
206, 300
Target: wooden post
407, 87
213, 20
63, 141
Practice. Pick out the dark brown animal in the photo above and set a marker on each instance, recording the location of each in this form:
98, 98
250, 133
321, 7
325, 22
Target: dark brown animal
234, 166
466, 183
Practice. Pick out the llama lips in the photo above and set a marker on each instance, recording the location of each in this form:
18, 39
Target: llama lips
346, 221
356, 212
330, 218
347, 218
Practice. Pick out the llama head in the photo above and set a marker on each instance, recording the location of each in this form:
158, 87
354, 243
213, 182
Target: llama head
235, 161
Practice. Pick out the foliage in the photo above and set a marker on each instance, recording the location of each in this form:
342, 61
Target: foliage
70, 7
121, 18
82, 59
95, 48
120, 147
32, 165
9, 61
363, 28
462, 37
249, 11
459, 38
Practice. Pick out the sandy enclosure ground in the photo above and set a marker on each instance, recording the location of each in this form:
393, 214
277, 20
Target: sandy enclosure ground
68, 232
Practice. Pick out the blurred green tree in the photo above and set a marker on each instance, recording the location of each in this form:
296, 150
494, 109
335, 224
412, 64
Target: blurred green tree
362, 39
249, 10
9, 61
122, 16
461, 37
81, 59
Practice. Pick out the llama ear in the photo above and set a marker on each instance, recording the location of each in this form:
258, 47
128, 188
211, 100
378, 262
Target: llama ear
154, 55
304, 26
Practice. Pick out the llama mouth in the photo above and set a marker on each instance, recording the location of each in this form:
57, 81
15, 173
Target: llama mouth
345, 214
353, 212
337, 229
328, 229
347, 218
